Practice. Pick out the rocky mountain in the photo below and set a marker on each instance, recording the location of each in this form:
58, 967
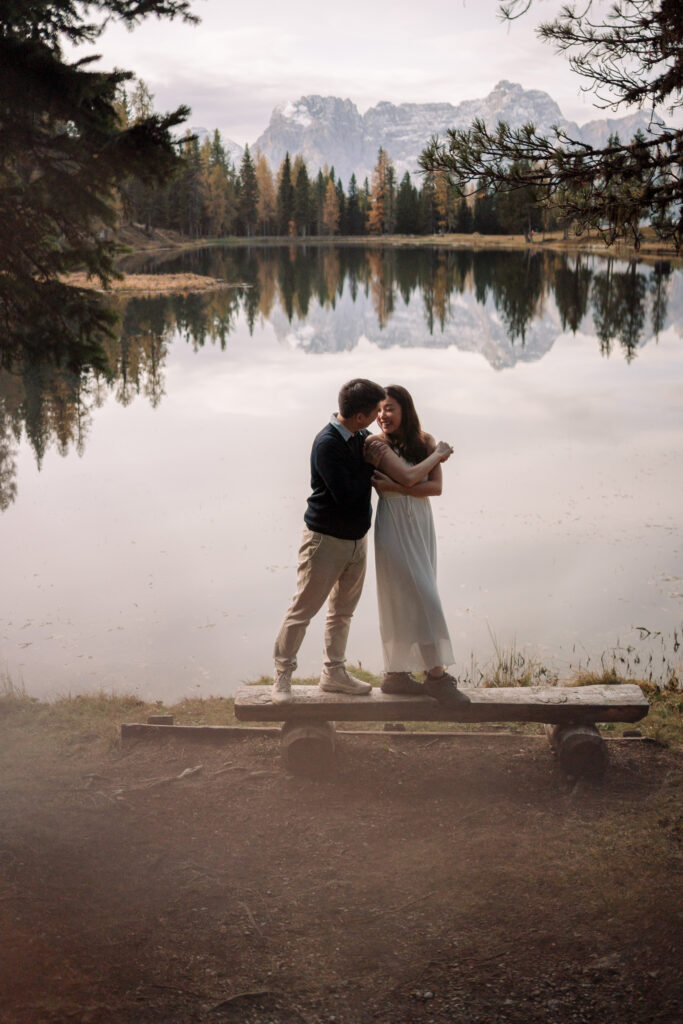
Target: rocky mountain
332, 131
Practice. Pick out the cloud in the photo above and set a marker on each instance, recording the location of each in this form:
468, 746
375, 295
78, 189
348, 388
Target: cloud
238, 64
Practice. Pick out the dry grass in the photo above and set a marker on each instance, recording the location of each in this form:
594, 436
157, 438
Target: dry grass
138, 240
99, 716
148, 284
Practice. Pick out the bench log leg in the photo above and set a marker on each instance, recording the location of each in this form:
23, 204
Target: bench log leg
308, 748
580, 749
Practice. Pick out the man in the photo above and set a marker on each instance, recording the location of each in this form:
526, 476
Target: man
333, 549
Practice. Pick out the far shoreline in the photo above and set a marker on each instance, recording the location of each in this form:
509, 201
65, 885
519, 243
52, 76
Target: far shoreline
137, 240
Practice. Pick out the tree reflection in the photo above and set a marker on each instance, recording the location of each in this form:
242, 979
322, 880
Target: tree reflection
8, 460
618, 308
659, 282
50, 401
571, 284
517, 289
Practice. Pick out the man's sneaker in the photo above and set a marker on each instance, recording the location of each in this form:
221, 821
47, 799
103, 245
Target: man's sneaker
281, 690
402, 683
341, 682
445, 689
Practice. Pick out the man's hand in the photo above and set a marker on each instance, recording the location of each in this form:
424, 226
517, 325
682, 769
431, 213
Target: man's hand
381, 482
445, 450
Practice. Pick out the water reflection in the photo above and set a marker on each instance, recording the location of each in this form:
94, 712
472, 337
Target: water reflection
508, 306
620, 296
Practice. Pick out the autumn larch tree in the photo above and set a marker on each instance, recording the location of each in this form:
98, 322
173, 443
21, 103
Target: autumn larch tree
331, 209
266, 196
382, 194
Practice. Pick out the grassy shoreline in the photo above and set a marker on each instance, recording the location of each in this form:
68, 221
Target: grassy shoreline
101, 714
137, 240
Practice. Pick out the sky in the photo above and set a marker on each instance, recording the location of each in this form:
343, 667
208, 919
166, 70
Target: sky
245, 59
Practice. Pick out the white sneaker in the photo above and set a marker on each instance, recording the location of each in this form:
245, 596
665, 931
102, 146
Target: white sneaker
281, 690
342, 682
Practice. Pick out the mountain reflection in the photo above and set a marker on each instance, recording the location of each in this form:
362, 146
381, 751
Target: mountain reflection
620, 296
507, 305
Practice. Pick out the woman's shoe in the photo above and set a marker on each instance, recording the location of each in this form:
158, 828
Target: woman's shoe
445, 689
402, 683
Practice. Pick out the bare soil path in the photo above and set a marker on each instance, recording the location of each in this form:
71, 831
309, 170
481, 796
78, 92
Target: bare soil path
451, 881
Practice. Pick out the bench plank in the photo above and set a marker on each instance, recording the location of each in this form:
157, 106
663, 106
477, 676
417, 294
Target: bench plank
623, 702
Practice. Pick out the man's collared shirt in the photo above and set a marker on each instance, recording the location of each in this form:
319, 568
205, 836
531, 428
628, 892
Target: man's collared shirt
344, 431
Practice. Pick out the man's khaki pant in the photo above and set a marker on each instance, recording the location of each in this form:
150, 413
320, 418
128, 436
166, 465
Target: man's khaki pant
328, 567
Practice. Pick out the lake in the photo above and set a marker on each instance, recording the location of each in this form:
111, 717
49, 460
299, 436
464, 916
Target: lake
150, 521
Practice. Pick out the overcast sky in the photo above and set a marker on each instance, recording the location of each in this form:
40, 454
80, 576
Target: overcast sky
244, 59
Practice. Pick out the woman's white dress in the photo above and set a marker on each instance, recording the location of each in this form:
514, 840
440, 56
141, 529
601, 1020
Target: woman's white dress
411, 620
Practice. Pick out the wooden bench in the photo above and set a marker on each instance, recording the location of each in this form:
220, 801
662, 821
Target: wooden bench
569, 713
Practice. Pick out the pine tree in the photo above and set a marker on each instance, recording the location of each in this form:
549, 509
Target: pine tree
354, 219
301, 206
247, 194
342, 223
218, 155
64, 155
319, 193
463, 218
485, 219
187, 189
407, 207
518, 212
285, 198
427, 200
364, 202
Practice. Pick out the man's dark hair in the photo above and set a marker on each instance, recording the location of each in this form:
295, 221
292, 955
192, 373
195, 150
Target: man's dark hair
359, 395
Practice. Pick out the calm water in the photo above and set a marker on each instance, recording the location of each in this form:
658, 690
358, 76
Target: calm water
151, 521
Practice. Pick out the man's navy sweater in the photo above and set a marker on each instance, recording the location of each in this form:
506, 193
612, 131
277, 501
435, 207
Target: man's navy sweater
339, 504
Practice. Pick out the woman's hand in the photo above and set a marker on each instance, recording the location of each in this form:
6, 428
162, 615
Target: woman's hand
444, 449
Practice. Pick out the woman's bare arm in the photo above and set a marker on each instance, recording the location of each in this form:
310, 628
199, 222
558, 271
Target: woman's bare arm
429, 488
392, 465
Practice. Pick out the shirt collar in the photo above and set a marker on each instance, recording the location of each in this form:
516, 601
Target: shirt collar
345, 433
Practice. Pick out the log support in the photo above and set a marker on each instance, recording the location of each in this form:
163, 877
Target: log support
308, 748
580, 749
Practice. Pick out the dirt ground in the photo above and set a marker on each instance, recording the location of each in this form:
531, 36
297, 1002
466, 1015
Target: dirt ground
452, 880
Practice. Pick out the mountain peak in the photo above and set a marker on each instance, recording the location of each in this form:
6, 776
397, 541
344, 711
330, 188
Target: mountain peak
328, 130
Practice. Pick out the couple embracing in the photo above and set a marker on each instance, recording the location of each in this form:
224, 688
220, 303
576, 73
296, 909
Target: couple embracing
404, 465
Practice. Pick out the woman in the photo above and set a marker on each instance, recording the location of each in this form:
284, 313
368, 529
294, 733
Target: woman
407, 473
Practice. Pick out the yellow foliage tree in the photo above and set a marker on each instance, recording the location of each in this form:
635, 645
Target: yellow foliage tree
213, 190
382, 194
330, 209
266, 206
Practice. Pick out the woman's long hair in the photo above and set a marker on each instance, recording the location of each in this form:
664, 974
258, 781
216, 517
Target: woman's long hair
408, 441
